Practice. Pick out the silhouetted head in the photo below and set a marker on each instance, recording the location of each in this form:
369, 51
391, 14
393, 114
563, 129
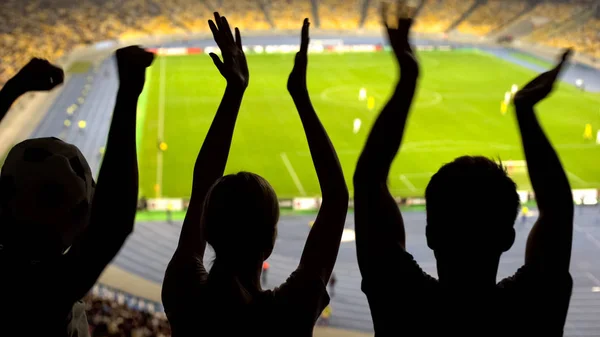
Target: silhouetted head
240, 219
46, 189
472, 205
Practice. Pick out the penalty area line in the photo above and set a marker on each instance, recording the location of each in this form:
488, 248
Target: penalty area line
290, 168
408, 183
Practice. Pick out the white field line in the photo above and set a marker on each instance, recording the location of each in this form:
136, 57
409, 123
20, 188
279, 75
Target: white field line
161, 124
574, 176
592, 278
290, 168
407, 183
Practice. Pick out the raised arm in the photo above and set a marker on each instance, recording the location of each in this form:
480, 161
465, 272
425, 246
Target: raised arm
37, 75
323, 243
211, 161
549, 243
115, 198
379, 224
186, 268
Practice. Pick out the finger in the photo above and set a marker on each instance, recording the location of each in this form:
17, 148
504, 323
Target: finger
57, 76
304, 37
215, 32
564, 58
238, 38
217, 61
227, 30
218, 21
384, 11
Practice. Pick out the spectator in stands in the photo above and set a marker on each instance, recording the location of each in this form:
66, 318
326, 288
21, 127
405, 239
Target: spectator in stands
237, 215
49, 258
109, 318
466, 300
332, 282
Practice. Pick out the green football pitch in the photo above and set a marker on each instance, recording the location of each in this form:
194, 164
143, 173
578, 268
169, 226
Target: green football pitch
456, 112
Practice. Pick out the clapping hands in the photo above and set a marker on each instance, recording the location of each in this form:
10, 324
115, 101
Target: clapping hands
399, 38
540, 87
297, 80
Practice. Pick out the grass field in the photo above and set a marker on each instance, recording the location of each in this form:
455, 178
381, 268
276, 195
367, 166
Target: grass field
457, 112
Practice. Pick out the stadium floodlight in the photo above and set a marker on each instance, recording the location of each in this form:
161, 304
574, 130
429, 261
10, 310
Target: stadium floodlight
82, 124
579, 82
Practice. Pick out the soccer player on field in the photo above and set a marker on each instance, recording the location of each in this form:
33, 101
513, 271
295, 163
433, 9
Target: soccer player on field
371, 103
588, 133
49, 264
466, 300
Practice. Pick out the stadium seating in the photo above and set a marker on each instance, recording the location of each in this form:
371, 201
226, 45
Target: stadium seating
435, 17
339, 14
50, 32
288, 14
107, 317
489, 16
247, 15
554, 13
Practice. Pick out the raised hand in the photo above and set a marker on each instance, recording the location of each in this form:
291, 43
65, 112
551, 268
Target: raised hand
541, 86
399, 39
297, 80
234, 66
132, 63
38, 75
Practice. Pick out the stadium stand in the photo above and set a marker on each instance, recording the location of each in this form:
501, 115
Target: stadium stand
435, 17
585, 38
287, 13
339, 14
246, 14
553, 15
491, 15
50, 32
108, 317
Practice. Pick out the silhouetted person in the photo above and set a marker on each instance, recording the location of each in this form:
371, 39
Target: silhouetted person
53, 252
229, 301
332, 282
265, 272
466, 300
169, 213
143, 204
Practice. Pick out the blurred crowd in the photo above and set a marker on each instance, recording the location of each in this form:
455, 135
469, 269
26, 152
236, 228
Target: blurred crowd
48, 29
493, 15
108, 318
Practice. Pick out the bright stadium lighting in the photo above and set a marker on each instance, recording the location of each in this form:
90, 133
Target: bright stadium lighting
579, 82
67, 123
82, 124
